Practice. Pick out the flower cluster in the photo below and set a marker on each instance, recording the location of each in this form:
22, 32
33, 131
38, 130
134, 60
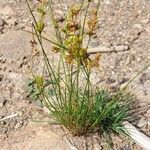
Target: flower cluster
42, 12
73, 38
92, 23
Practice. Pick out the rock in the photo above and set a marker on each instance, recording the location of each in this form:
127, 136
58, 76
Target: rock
107, 2
110, 80
1, 22
138, 59
2, 60
145, 77
1, 25
2, 102
94, 43
19, 124
1, 77
7, 10
145, 21
120, 48
37, 138
142, 122
15, 44
23, 61
139, 27
1, 105
12, 22
126, 147
59, 18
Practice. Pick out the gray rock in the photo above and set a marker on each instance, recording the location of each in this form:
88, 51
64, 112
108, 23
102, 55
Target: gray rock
94, 43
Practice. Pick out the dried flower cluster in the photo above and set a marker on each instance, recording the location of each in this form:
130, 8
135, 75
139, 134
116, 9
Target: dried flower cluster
42, 12
73, 35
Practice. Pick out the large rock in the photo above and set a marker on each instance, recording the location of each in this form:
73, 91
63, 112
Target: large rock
36, 138
7, 10
15, 44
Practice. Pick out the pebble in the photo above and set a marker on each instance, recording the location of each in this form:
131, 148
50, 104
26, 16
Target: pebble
7, 10
2, 60
107, 2
12, 22
139, 27
142, 123
111, 80
19, 124
2, 102
23, 61
1, 77
94, 43
1, 25
145, 77
1, 22
145, 21
120, 48
126, 147
59, 18
138, 59
112, 72
130, 69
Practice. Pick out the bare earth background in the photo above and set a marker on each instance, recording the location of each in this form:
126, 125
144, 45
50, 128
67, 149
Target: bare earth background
123, 24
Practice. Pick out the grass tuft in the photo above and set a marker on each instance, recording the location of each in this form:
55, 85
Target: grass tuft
70, 95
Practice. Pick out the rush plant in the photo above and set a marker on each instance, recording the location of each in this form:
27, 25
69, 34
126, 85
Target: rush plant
75, 102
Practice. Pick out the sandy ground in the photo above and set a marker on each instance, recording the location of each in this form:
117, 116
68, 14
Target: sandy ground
123, 25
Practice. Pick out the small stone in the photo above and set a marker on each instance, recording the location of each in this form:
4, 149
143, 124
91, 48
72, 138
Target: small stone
126, 147
112, 72
114, 87
2, 60
2, 102
1, 77
145, 21
107, 2
120, 48
94, 43
60, 19
7, 10
1, 22
145, 77
20, 113
142, 123
130, 69
139, 27
138, 59
23, 61
46, 110
110, 80
12, 22
1, 105
19, 124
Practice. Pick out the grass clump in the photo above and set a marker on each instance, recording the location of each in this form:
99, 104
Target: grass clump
75, 102
99, 113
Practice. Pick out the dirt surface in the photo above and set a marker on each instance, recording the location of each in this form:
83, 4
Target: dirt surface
123, 25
